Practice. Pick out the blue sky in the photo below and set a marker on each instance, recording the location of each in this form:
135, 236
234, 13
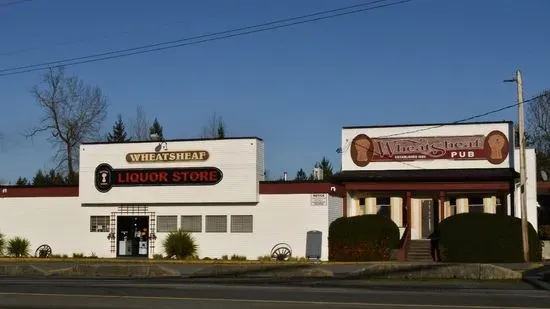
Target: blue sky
423, 61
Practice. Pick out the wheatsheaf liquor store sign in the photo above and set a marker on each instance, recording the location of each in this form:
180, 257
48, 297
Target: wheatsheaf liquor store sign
169, 156
493, 147
106, 177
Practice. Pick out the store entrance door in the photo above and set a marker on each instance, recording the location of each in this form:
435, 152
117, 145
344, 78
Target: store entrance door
133, 236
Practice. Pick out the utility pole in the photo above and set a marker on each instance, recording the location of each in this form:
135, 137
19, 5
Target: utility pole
523, 176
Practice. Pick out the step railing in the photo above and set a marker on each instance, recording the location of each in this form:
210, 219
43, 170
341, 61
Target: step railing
404, 244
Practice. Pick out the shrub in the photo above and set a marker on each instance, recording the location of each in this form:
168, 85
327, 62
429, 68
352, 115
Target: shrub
235, 257
179, 244
544, 232
18, 247
362, 238
2, 244
485, 238
78, 255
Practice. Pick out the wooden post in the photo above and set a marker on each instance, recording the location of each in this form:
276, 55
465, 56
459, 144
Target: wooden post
441, 206
409, 210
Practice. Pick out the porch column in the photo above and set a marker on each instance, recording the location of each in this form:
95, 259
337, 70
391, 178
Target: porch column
409, 209
448, 210
462, 205
396, 206
370, 205
490, 204
441, 205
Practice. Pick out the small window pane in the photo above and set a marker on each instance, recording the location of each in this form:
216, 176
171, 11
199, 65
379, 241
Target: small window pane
99, 224
167, 224
383, 207
216, 224
191, 223
241, 224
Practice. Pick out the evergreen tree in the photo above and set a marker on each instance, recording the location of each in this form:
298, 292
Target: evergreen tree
221, 130
119, 134
22, 181
40, 179
156, 128
301, 175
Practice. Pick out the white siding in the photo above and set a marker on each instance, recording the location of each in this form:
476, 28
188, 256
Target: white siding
531, 187
65, 225
236, 158
349, 134
335, 210
56, 221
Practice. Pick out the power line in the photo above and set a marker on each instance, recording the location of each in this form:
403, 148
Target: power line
465, 119
442, 125
206, 38
4, 4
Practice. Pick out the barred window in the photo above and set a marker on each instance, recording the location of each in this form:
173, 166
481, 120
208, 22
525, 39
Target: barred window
241, 224
167, 223
191, 223
216, 224
99, 223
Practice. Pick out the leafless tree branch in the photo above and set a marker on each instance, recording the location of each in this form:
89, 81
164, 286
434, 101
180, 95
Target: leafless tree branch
538, 122
73, 113
140, 125
210, 130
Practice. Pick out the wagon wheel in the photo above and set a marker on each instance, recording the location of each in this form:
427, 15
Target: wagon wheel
281, 252
44, 251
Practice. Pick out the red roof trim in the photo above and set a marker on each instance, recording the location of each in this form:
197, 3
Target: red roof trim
265, 188
28, 191
288, 187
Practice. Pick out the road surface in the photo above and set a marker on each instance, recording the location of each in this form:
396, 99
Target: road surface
136, 294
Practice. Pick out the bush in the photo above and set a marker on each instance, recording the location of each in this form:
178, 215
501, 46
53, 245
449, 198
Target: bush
179, 244
235, 257
485, 238
18, 247
544, 232
2, 244
362, 238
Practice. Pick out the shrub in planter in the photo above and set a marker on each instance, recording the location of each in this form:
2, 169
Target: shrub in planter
362, 238
485, 238
180, 244
18, 247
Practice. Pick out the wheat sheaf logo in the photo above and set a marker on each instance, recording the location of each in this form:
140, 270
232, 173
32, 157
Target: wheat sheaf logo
496, 147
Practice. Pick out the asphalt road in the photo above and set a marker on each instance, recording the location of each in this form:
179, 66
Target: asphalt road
135, 294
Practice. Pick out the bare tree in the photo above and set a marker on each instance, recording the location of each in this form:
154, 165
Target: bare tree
538, 129
538, 122
215, 128
140, 125
73, 113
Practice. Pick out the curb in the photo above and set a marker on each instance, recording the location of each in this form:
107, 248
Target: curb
537, 283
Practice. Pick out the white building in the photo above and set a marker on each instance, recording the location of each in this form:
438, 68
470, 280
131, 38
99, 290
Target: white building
131, 195
140, 191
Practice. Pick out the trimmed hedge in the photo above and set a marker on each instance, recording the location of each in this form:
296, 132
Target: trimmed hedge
362, 238
485, 238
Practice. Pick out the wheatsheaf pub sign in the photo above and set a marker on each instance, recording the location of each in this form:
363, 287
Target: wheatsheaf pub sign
169, 156
106, 177
493, 147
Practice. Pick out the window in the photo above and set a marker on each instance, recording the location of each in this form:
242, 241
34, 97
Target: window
475, 204
362, 206
241, 224
191, 223
383, 207
452, 207
167, 224
216, 224
99, 224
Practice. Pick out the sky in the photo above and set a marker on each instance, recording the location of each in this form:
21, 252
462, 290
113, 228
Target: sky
425, 61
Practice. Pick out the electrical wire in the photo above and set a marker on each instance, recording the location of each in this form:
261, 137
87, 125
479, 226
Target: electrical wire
157, 46
442, 125
11, 3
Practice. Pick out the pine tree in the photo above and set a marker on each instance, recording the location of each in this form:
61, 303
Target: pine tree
221, 130
156, 128
119, 134
22, 181
301, 175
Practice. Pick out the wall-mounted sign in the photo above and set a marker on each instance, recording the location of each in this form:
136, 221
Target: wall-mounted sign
106, 177
168, 156
493, 147
319, 199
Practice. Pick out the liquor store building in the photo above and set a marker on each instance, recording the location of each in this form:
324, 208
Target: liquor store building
131, 195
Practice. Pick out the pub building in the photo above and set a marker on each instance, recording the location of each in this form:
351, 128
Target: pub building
131, 195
